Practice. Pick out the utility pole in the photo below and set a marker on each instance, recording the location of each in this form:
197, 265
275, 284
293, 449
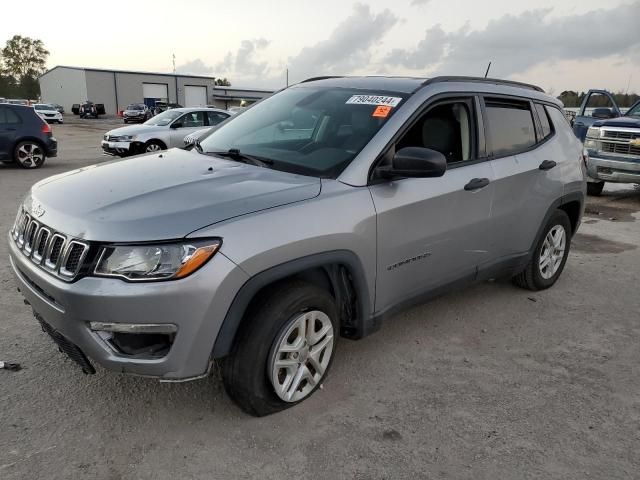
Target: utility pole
487, 72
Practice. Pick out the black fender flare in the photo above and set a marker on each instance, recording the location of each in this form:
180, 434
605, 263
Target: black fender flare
244, 296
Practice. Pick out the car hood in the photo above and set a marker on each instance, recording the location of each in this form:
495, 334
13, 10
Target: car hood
160, 196
136, 130
622, 122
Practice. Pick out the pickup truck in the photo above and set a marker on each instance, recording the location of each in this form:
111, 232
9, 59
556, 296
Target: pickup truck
611, 140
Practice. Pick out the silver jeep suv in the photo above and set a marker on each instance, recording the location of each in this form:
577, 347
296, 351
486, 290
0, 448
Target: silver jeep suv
315, 214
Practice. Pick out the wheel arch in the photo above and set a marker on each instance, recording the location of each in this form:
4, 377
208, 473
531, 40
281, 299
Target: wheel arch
340, 272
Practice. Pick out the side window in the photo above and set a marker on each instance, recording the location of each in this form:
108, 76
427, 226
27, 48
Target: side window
192, 119
9, 116
510, 126
447, 128
547, 129
215, 118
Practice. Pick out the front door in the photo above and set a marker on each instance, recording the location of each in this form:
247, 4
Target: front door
432, 231
186, 124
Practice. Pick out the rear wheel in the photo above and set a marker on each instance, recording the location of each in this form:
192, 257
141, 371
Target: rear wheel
29, 154
595, 188
550, 255
284, 348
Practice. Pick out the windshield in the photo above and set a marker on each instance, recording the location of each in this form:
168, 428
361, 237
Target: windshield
135, 107
634, 111
43, 107
309, 130
163, 119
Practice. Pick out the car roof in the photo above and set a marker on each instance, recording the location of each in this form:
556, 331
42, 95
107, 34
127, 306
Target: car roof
410, 85
197, 109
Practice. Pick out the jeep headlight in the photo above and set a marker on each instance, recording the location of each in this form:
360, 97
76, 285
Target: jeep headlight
164, 261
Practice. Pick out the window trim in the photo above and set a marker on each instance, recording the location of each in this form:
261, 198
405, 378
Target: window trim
471, 99
543, 140
534, 117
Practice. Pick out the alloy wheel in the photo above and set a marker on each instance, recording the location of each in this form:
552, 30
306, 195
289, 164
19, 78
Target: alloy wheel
153, 147
301, 355
30, 155
552, 252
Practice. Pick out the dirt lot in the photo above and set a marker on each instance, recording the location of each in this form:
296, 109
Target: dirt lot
492, 382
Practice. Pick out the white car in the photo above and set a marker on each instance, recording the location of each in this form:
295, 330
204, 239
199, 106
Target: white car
166, 130
48, 113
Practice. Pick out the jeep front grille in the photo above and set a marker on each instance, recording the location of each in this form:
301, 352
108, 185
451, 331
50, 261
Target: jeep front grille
52, 251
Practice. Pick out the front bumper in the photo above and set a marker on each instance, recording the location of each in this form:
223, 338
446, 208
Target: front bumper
131, 118
197, 305
118, 148
610, 168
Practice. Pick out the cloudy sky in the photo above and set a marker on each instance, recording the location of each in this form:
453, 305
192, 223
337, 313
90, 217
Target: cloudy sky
557, 44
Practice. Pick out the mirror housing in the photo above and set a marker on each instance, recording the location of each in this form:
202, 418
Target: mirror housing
415, 162
603, 113
176, 125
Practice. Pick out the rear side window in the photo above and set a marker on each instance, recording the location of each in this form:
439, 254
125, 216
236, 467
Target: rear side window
547, 129
510, 125
9, 116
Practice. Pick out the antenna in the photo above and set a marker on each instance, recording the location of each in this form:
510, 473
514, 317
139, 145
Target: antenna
287, 77
487, 72
174, 62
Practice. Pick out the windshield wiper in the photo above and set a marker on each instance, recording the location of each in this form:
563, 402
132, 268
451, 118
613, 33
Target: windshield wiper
234, 154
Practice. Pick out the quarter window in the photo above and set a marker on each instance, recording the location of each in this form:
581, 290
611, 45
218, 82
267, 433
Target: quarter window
510, 125
544, 120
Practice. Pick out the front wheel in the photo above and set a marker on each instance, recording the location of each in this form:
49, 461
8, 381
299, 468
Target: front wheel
283, 350
549, 256
154, 146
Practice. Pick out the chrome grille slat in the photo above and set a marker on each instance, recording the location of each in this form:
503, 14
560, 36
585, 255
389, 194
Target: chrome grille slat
52, 251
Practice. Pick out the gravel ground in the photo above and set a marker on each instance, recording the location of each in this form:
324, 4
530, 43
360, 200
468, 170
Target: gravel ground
490, 382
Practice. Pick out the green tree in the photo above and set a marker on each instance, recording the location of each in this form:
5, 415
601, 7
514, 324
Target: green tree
222, 82
23, 56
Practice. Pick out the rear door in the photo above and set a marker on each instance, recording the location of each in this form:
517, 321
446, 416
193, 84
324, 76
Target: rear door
433, 231
9, 123
526, 163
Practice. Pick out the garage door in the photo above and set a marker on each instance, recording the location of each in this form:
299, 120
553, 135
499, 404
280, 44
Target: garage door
155, 90
195, 96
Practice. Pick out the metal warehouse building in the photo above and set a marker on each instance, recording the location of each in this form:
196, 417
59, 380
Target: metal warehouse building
118, 88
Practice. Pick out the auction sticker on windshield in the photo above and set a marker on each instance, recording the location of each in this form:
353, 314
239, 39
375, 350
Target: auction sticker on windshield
374, 100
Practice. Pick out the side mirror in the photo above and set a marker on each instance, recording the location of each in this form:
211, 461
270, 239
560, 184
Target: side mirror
603, 113
176, 125
415, 162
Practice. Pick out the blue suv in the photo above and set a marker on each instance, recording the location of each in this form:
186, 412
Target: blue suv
25, 138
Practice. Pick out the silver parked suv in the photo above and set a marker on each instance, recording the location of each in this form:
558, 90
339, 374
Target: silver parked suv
315, 214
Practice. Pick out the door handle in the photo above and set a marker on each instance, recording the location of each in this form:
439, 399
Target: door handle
547, 165
476, 184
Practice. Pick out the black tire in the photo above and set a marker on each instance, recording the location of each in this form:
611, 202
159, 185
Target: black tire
595, 188
245, 371
531, 277
126, 121
153, 146
23, 159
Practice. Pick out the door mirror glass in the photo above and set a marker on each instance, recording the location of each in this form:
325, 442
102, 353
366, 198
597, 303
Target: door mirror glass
415, 162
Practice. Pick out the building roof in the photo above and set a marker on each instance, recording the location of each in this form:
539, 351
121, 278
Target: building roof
135, 72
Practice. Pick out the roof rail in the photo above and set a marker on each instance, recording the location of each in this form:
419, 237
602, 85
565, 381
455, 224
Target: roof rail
495, 81
326, 77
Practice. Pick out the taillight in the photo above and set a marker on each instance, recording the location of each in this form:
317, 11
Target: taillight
46, 128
